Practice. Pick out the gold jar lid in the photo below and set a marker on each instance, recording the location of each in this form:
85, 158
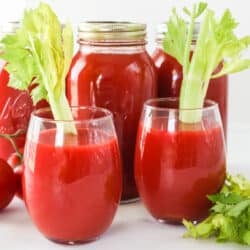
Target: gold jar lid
112, 31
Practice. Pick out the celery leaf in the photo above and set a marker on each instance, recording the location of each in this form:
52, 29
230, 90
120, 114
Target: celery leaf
39, 56
229, 220
216, 43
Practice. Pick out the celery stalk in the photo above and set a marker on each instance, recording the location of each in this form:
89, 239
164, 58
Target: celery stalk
40, 53
216, 43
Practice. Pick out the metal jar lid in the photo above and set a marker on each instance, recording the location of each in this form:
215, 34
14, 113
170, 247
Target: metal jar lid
162, 29
9, 28
111, 31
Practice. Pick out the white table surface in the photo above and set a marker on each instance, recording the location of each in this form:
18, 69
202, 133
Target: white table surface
133, 228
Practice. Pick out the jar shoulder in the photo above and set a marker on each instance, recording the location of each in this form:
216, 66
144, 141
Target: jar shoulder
108, 63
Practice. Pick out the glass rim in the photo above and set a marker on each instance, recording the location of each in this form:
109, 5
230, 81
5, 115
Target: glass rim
211, 104
107, 114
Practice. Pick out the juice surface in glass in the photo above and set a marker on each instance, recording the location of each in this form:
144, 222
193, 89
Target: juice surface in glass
72, 191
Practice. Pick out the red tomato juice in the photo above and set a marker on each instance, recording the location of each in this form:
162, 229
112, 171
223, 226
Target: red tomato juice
72, 192
175, 171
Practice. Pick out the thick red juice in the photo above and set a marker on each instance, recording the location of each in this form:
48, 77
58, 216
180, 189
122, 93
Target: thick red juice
175, 171
72, 192
170, 78
15, 109
120, 83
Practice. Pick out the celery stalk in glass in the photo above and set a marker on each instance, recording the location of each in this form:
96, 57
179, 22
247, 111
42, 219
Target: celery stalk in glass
216, 43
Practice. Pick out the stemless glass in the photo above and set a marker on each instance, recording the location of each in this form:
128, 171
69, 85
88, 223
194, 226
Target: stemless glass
178, 164
72, 182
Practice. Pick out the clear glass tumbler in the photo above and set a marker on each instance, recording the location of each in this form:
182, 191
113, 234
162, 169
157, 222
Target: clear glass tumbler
72, 180
177, 164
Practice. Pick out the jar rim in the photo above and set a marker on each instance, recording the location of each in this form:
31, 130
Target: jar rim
122, 31
162, 29
9, 27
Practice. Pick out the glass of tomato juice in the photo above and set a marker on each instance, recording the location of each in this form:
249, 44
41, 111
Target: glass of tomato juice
72, 179
178, 164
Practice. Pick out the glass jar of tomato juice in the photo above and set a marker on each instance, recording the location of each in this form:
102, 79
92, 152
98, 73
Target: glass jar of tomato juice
15, 107
112, 69
170, 76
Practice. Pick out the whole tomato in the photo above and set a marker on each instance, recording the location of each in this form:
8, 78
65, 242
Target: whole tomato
8, 184
15, 161
18, 170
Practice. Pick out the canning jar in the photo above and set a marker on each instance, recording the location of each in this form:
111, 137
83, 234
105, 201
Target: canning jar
15, 107
113, 70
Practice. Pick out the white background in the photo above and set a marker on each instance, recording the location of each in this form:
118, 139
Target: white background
133, 227
154, 12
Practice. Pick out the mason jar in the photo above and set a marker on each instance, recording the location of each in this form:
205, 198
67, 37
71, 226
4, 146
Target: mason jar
15, 107
113, 70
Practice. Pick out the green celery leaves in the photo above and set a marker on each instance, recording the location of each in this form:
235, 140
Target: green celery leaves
230, 216
216, 43
39, 56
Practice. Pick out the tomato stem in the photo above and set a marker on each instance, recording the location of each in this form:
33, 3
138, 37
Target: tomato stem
11, 139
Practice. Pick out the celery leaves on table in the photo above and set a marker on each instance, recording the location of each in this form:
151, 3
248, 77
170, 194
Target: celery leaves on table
216, 42
39, 55
229, 220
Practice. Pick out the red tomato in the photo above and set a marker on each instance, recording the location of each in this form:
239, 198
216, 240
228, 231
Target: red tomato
18, 170
15, 162
8, 184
